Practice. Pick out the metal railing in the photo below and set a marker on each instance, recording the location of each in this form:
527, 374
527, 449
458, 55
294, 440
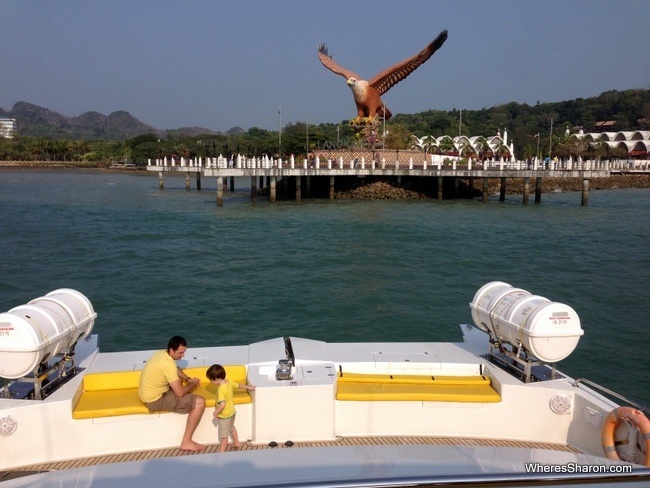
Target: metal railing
596, 386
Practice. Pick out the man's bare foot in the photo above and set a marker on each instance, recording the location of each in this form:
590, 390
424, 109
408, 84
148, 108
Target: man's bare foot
236, 446
192, 446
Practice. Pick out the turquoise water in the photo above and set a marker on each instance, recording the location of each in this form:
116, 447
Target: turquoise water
157, 263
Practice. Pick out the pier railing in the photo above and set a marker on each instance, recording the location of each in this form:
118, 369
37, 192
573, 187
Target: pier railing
381, 162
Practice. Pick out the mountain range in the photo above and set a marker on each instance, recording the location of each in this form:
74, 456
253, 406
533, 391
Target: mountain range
625, 110
35, 121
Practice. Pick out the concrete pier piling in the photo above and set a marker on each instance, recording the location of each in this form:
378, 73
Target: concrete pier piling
272, 189
298, 180
219, 191
526, 189
538, 189
253, 189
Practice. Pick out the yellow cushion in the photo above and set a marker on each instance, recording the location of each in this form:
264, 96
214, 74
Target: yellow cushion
108, 403
416, 392
116, 393
234, 372
412, 379
209, 392
111, 381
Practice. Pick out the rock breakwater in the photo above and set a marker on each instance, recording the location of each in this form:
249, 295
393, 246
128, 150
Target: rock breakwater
389, 190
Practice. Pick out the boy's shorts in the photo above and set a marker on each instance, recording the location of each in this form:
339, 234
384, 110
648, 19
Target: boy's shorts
169, 402
226, 426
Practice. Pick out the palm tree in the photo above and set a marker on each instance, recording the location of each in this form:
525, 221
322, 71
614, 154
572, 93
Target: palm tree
483, 147
59, 148
36, 148
581, 146
421, 143
434, 146
503, 151
66, 148
46, 147
81, 148
466, 150
183, 150
446, 144
598, 150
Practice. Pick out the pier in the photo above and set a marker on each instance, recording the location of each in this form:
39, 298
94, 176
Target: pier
295, 179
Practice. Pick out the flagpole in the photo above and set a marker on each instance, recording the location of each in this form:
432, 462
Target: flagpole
383, 144
550, 142
279, 133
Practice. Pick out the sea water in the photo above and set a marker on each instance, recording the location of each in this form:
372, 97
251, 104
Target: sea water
159, 263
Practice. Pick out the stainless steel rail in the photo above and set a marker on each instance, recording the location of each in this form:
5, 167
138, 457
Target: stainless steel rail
636, 404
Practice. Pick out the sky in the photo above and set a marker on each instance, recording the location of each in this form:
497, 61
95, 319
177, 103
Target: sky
223, 64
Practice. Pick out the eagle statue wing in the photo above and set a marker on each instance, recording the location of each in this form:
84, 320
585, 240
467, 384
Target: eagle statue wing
331, 65
396, 73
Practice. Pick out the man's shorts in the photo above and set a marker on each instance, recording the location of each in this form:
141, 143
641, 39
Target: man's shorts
169, 402
226, 426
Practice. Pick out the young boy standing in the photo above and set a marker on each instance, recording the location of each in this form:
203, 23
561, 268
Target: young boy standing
224, 412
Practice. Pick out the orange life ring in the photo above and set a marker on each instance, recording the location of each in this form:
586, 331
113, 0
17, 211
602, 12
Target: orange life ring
637, 418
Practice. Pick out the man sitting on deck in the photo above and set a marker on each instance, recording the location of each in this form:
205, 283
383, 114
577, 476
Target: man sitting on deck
161, 389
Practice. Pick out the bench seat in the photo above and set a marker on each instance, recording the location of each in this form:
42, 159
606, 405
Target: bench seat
386, 387
116, 393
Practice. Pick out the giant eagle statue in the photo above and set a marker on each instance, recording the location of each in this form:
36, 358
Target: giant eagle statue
367, 94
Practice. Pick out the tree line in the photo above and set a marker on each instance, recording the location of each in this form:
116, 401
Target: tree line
529, 127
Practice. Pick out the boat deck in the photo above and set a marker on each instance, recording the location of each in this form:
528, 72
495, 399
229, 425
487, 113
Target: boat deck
343, 441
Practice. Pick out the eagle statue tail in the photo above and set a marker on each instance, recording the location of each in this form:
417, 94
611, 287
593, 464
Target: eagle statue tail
384, 113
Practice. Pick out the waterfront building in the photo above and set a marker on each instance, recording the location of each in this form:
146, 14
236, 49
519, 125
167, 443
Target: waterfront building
635, 143
476, 147
8, 128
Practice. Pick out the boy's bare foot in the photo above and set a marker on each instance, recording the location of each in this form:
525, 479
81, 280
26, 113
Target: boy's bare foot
193, 446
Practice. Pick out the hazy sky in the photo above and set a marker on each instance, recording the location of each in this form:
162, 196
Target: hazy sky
220, 64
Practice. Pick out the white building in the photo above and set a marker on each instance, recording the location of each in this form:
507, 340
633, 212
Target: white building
8, 128
636, 143
475, 146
